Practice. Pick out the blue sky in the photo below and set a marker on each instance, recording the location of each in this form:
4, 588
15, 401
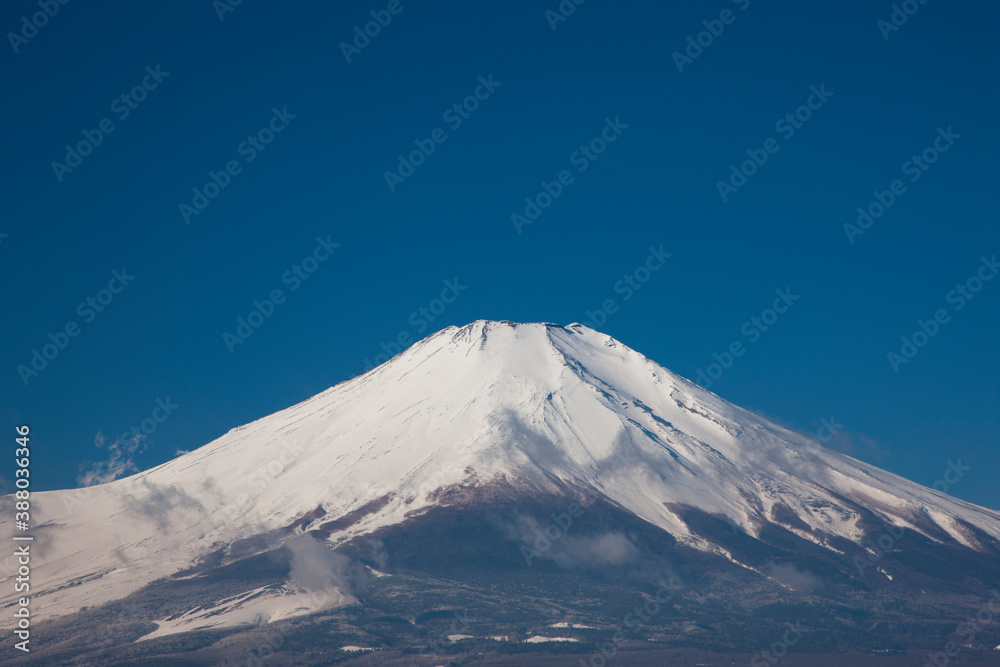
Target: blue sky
301, 139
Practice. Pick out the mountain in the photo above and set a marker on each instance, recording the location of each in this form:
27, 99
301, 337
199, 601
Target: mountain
506, 489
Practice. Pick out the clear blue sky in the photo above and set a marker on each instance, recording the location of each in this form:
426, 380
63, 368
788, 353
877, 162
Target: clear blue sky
336, 127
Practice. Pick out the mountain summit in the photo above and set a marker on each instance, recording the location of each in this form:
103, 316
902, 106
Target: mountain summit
498, 446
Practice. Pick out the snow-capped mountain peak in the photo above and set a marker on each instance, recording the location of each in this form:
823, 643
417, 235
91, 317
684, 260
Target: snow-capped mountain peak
530, 408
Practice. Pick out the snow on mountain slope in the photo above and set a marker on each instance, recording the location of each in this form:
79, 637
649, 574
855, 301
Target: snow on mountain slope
536, 405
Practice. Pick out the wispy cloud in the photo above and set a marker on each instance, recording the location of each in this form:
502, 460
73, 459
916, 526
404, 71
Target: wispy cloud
571, 551
791, 576
119, 463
